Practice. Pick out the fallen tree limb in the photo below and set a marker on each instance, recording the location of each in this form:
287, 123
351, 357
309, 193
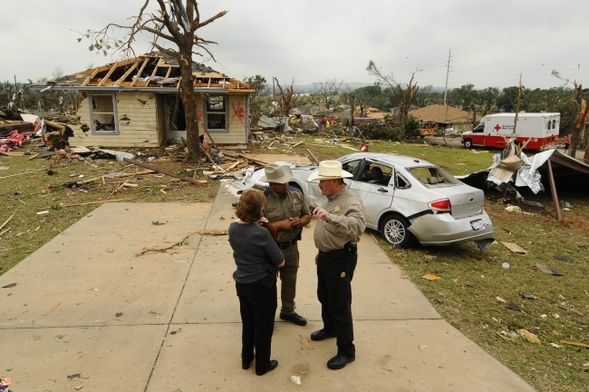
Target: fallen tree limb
201, 232
190, 180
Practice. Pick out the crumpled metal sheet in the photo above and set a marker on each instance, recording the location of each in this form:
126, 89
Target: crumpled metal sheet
527, 175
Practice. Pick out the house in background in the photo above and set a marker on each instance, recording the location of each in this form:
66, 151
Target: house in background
136, 103
442, 117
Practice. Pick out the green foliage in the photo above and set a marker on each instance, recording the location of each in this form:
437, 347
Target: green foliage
258, 82
463, 97
384, 132
372, 96
411, 128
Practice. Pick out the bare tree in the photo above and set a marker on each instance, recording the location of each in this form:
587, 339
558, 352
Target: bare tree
288, 97
176, 23
406, 95
351, 98
580, 119
328, 91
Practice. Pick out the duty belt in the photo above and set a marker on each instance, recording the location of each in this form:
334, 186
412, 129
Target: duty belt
348, 249
287, 244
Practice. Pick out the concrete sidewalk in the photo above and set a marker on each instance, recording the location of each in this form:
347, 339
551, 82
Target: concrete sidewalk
90, 312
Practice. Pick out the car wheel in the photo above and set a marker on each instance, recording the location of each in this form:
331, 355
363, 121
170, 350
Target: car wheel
395, 230
468, 143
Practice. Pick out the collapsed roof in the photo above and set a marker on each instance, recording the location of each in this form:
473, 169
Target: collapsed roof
153, 71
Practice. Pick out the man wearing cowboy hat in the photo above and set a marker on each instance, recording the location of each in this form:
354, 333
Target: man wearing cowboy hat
287, 210
340, 223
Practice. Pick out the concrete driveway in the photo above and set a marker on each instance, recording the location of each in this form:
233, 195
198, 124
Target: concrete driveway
139, 297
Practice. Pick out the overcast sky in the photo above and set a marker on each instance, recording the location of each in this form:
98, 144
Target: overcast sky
492, 43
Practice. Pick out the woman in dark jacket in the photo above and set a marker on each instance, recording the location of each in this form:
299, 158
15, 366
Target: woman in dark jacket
258, 258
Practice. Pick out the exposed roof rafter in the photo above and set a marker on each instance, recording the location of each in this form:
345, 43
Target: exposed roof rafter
147, 71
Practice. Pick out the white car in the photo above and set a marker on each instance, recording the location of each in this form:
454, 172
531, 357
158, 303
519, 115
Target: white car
406, 199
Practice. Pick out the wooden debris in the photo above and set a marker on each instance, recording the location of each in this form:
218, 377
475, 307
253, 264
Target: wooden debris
306, 342
160, 171
576, 344
7, 220
117, 189
514, 247
91, 202
508, 340
313, 157
254, 161
431, 277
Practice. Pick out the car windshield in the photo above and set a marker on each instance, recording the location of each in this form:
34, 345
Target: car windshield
433, 176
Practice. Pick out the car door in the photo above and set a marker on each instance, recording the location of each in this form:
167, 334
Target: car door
478, 135
375, 193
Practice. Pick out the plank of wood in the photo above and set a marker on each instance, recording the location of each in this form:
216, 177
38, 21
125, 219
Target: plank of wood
576, 344
6, 222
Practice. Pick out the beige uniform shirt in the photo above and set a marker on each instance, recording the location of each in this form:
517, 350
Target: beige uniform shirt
283, 206
347, 222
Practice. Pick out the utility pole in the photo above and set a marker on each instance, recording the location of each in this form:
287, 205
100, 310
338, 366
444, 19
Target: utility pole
446, 88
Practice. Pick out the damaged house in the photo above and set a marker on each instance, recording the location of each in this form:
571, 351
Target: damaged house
136, 103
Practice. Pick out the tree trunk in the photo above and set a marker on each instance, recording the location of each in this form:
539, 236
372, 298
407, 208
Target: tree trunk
190, 110
577, 131
586, 156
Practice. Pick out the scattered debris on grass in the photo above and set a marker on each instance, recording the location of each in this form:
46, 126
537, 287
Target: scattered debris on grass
529, 336
566, 259
515, 248
548, 270
576, 344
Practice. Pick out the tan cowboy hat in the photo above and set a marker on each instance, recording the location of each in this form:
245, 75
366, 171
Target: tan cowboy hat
277, 174
329, 170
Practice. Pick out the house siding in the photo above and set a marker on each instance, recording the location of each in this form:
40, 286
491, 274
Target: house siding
139, 125
237, 120
140, 130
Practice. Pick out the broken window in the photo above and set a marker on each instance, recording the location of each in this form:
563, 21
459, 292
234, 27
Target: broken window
216, 113
103, 114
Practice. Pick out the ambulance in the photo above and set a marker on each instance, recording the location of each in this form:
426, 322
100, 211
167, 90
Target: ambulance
539, 130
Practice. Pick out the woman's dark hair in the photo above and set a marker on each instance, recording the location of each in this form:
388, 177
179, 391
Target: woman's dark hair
249, 208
